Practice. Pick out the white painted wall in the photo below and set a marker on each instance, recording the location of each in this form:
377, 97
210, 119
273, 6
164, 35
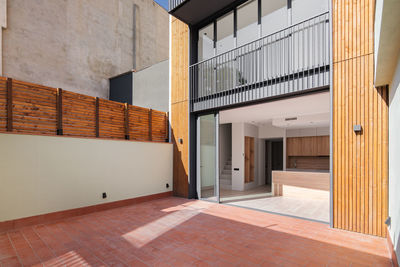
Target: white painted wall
320, 131
394, 159
225, 144
237, 156
42, 174
239, 131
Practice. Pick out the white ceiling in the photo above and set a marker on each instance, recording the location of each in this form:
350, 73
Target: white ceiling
309, 111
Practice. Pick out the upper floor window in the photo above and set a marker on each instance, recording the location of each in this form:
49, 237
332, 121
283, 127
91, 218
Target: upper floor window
305, 9
206, 42
225, 40
247, 22
274, 16
254, 19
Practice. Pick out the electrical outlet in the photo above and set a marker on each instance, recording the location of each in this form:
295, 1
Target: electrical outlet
104, 195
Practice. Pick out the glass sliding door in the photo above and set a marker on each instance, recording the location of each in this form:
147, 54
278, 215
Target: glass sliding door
207, 157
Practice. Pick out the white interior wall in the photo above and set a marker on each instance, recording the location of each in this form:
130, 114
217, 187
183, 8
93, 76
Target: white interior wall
394, 156
225, 144
44, 174
237, 156
318, 131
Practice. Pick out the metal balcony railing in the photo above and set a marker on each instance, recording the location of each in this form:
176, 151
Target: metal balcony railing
293, 59
174, 3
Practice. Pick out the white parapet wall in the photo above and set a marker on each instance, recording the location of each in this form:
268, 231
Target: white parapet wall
43, 174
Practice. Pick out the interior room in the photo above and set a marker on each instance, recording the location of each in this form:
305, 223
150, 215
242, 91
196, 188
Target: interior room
274, 156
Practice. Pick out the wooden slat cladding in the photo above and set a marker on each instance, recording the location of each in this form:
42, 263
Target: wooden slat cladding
138, 123
179, 105
34, 108
78, 114
111, 119
37, 109
179, 61
360, 164
179, 127
3, 104
159, 126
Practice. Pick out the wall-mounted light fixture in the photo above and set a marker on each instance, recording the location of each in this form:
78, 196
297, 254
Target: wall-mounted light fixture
357, 128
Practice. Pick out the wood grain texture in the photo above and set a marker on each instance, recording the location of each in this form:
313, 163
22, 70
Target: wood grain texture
249, 159
179, 130
42, 110
179, 105
311, 180
360, 168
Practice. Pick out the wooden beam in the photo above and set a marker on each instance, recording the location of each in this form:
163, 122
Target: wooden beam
59, 108
9, 105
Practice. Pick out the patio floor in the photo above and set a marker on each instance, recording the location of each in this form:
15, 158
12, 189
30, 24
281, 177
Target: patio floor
180, 232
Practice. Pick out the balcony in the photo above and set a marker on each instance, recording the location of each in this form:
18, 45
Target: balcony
194, 11
288, 61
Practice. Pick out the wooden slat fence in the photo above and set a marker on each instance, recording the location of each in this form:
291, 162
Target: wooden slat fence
35, 109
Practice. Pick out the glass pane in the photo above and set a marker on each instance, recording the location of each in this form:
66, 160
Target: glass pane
225, 40
208, 151
305, 9
206, 42
247, 27
274, 16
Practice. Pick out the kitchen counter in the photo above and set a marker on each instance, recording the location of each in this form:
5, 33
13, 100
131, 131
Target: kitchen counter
314, 179
306, 170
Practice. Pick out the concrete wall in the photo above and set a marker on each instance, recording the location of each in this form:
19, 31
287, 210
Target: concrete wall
42, 174
394, 157
79, 45
151, 87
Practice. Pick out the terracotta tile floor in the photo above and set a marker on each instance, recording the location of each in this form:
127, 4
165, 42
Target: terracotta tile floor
179, 232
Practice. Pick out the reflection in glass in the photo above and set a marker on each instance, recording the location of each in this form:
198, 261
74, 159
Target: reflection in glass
274, 16
206, 42
247, 26
208, 155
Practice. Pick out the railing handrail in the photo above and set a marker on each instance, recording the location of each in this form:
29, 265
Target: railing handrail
259, 39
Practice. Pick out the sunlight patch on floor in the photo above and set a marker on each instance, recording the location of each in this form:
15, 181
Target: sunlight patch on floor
151, 231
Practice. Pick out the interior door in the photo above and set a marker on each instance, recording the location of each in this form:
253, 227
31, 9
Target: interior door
207, 157
248, 159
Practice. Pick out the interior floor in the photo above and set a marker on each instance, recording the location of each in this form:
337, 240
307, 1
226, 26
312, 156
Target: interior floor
262, 191
295, 201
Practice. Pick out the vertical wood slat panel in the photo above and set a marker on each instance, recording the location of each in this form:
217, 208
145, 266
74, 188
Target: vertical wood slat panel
180, 106
360, 178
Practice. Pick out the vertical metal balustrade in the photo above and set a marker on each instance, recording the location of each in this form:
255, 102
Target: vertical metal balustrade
288, 61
